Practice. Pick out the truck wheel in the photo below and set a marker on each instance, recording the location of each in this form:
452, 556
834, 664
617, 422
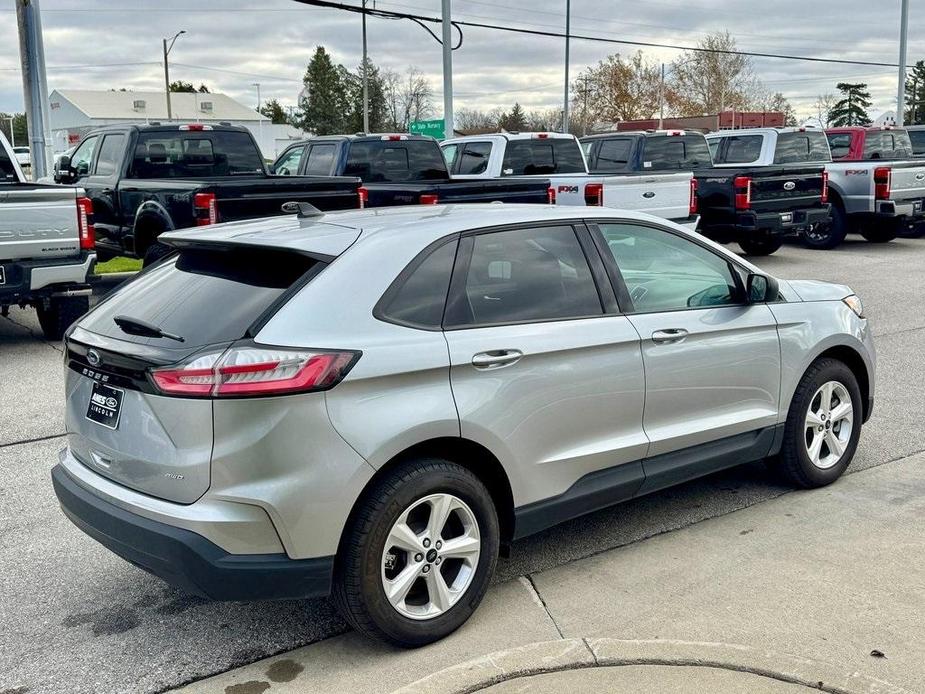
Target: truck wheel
418, 554
155, 252
760, 246
827, 235
823, 426
878, 235
60, 314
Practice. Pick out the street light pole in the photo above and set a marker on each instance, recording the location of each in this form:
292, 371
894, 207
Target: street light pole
167, 50
35, 87
365, 77
568, 20
259, 117
448, 125
903, 37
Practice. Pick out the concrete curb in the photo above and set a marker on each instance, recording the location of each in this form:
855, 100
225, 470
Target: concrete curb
569, 654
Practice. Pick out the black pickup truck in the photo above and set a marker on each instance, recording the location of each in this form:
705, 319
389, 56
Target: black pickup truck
147, 179
401, 170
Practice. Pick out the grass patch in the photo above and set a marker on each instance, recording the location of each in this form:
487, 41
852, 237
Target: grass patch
118, 265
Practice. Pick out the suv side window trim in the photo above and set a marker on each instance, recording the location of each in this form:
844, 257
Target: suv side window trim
619, 284
458, 280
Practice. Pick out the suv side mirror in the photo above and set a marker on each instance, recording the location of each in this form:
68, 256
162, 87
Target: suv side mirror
761, 289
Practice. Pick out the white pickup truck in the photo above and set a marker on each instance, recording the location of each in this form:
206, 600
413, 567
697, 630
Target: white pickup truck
559, 158
46, 247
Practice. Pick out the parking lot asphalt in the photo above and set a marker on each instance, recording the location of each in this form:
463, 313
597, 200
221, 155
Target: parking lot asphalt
78, 619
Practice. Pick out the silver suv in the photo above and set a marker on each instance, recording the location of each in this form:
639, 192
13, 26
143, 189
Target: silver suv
372, 404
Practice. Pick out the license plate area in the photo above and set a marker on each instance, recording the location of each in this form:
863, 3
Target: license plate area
105, 406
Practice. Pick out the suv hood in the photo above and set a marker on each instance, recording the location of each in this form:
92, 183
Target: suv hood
816, 290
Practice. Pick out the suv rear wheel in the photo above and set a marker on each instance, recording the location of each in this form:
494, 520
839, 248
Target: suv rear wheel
417, 557
823, 426
61, 311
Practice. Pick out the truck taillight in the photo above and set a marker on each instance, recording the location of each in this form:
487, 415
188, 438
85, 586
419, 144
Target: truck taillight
429, 199
85, 230
254, 371
883, 180
825, 186
551, 195
743, 192
205, 209
594, 195
692, 207
363, 196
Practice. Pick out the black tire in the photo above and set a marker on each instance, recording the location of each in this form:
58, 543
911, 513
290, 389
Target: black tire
60, 314
794, 464
760, 246
827, 235
358, 592
155, 252
878, 235
104, 256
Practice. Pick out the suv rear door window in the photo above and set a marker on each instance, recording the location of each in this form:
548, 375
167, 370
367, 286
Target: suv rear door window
187, 293
195, 154
796, 148
741, 149
524, 275
395, 161
418, 296
542, 156
675, 153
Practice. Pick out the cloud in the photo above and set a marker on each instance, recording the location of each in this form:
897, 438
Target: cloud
230, 44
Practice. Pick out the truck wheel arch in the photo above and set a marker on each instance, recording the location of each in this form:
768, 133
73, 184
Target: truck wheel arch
151, 220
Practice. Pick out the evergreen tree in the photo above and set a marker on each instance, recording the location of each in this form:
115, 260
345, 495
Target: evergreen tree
325, 110
851, 109
915, 95
273, 110
181, 86
514, 121
20, 133
378, 115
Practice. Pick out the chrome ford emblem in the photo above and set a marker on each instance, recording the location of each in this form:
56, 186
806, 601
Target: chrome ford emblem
790, 185
94, 357
920, 177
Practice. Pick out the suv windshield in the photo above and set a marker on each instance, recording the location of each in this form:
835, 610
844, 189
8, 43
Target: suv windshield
675, 153
542, 156
188, 293
195, 154
796, 148
395, 161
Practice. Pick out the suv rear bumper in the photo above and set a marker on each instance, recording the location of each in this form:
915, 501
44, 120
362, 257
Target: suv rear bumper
186, 559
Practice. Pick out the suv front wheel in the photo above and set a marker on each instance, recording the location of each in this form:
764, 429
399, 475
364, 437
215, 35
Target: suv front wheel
418, 555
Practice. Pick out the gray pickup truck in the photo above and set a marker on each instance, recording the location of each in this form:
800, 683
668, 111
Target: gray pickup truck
46, 247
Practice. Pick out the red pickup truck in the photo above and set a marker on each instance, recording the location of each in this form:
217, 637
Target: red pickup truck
857, 143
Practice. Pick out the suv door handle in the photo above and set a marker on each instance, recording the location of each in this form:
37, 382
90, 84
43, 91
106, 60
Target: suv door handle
669, 335
496, 358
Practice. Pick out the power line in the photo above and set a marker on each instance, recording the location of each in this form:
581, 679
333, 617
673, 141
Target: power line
583, 37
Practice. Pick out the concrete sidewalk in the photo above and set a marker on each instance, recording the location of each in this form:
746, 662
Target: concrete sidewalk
800, 591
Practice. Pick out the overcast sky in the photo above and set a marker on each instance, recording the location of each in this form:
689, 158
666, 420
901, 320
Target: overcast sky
230, 44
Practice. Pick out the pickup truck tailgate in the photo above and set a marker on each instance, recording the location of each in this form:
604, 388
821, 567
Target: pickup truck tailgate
255, 197
907, 181
38, 221
787, 190
666, 195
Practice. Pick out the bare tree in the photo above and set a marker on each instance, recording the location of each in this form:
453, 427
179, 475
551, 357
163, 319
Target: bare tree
823, 107
408, 97
710, 80
474, 119
618, 89
777, 102
547, 119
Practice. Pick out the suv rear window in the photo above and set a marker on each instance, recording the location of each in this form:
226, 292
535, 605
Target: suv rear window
675, 153
195, 154
204, 296
797, 148
554, 155
395, 161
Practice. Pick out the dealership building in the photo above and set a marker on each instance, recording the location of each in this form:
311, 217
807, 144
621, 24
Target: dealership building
75, 112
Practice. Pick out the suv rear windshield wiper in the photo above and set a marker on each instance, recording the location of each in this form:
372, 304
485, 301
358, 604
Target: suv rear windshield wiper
134, 326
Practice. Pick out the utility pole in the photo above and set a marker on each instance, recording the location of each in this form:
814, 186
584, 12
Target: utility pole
448, 128
568, 21
903, 37
259, 118
167, 50
365, 77
35, 86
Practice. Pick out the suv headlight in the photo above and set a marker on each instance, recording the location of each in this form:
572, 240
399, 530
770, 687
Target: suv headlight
854, 303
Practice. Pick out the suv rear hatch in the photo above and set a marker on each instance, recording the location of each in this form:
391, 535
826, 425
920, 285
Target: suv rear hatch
119, 423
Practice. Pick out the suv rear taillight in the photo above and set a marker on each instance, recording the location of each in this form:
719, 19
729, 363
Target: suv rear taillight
825, 186
743, 192
85, 231
205, 209
429, 199
883, 180
594, 195
249, 371
692, 206
363, 195
551, 195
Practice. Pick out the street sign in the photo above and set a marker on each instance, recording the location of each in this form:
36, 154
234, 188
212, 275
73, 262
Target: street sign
434, 128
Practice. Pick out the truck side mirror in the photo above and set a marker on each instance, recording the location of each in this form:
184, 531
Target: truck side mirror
761, 289
63, 169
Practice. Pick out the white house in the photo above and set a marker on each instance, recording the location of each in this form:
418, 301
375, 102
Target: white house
74, 112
